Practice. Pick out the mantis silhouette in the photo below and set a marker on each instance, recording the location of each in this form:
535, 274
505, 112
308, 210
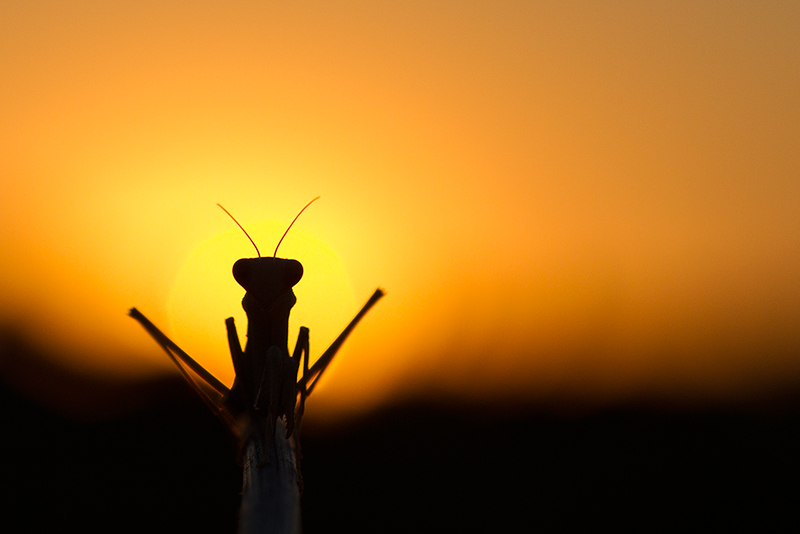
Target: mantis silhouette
265, 387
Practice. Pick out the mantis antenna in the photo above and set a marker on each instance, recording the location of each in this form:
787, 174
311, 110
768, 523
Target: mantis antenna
275, 254
245, 231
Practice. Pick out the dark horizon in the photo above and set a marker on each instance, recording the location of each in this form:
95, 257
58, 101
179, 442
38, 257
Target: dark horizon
424, 465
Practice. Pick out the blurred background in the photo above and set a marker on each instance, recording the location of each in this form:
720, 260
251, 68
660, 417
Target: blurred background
586, 218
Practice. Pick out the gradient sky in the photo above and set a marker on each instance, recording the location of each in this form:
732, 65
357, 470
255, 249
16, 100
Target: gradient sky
578, 198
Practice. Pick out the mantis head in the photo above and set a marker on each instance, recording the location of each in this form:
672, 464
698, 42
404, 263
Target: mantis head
268, 280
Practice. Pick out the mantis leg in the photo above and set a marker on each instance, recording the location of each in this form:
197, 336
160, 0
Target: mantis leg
242, 388
218, 390
236, 349
288, 397
316, 370
302, 347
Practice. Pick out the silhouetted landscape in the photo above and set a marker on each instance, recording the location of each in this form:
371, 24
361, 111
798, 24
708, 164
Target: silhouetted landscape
426, 466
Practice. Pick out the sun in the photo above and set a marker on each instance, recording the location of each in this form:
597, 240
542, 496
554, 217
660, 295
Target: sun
204, 293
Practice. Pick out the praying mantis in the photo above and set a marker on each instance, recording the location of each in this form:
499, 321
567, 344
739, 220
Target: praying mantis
266, 387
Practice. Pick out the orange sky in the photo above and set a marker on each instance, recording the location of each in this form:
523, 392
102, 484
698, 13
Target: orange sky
596, 200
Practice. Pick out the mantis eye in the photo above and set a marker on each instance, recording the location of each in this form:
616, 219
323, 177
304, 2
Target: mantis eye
241, 272
294, 272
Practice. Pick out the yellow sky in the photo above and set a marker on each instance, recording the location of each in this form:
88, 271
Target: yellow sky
596, 200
